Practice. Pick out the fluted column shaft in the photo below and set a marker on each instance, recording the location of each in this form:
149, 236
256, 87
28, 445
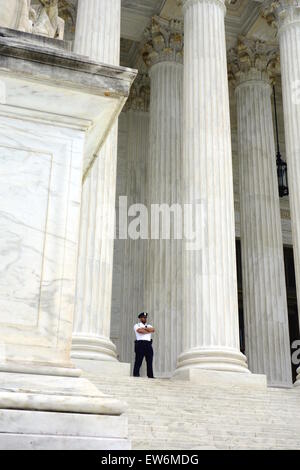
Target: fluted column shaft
98, 37
97, 32
264, 292
289, 40
211, 329
134, 262
164, 264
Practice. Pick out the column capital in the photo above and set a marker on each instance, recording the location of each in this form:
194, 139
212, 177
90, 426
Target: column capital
187, 3
139, 98
281, 13
164, 41
252, 60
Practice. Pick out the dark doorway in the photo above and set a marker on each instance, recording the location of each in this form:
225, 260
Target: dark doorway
291, 298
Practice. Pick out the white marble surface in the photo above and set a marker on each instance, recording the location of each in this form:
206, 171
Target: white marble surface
210, 324
53, 393
49, 84
34, 442
85, 112
91, 330
93, 405
104, 368
220, 379
33, 430
99, 40
91, 333
71, 386
38, 411
42, 153
22, 256
63, 424
40, 204
48, 118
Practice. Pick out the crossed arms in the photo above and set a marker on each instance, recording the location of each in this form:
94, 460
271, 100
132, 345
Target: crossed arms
145, 331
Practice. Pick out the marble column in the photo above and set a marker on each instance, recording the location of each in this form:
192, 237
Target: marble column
97, 32
264, 291
211, 328
97, 36
130, 254
163, 288
286, 15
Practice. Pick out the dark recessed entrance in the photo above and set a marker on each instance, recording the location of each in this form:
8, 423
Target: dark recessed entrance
291, 298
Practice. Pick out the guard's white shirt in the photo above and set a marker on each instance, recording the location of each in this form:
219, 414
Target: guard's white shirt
140, 336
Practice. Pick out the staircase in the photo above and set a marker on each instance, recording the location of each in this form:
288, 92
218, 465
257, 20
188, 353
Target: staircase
173, 415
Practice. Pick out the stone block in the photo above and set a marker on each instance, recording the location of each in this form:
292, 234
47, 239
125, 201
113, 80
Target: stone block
220, 378
104, 368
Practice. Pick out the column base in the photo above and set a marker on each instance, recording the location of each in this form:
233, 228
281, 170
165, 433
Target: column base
35, 430
221, 378
52, 412
104, 368
93, 348
284, 386
35, 368
229, 360
55, 394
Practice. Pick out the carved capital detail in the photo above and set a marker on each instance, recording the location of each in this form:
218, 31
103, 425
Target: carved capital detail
222, 3
252, 59
281, 13
139, 98
164, 41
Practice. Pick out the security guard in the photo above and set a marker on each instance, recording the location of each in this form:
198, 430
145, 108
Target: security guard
143, 345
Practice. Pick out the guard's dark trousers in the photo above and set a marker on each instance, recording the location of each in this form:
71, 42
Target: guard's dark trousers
143, 349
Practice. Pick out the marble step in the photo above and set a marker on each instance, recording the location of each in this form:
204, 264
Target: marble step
154, 385
198, 393
239, 430
160, 444
201, 399
213, 412
229, 440
185, 416
208, 428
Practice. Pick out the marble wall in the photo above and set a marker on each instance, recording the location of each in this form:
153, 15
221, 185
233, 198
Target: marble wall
53, 119
39, 231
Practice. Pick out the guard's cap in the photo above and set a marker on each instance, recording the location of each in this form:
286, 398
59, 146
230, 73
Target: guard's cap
143, 314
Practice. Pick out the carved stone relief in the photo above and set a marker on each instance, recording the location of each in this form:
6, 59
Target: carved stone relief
42, 17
